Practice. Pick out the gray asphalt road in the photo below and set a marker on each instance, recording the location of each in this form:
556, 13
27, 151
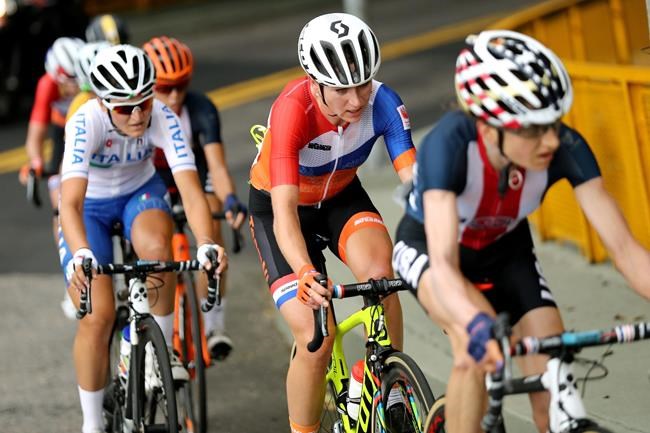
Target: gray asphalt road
231, 41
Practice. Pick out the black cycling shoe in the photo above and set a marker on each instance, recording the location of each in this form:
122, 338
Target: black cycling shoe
220, 346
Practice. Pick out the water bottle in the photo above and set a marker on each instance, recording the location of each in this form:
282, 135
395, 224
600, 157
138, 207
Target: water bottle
125, 354
354, 389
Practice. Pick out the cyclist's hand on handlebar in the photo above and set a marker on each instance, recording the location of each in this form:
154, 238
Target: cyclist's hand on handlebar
235, 211
35, 164
482, 347
74, 270
310, 292
222, 258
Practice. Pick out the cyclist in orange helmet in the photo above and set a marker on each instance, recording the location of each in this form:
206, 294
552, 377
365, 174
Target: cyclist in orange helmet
200, 119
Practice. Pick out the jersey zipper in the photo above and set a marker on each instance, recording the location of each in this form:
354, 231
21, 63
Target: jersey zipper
336, 163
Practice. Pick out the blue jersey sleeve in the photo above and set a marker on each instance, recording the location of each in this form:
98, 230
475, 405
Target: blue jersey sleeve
442, 157
204, 118
392, 121
442, 160
573, 159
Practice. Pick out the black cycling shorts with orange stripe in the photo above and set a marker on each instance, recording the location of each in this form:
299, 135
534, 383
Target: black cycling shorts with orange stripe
336, 219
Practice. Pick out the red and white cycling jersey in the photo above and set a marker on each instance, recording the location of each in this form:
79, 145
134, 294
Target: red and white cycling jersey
301, 147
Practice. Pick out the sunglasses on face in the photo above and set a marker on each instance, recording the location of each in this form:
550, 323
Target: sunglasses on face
126, 109
168, 88
537, 131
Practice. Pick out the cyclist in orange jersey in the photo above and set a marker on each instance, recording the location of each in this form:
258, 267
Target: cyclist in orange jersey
303, 183
200, 121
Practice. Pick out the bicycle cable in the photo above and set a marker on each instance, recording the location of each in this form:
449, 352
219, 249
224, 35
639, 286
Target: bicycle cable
593, 364
154, 283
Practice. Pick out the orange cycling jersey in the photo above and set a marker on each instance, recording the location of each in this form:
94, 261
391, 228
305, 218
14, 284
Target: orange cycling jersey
301, 147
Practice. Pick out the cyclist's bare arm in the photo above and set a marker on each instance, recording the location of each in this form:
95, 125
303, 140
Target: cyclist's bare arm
197, 210
405, 174
73, 191
451, 289
222, 180
449, 285
286, 227
36, 134
606, 217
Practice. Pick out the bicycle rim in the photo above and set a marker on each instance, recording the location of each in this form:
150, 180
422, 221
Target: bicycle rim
406, 397
330, 416
154, 394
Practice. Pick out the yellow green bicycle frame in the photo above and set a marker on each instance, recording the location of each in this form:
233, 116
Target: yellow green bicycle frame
373, 320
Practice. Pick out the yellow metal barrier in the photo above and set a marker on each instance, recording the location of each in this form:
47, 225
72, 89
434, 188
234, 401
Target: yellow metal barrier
601, 44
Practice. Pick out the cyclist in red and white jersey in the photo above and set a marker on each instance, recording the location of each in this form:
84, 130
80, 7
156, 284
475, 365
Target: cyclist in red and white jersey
108, 176
200, 121
464, 245
54, 92
303, 183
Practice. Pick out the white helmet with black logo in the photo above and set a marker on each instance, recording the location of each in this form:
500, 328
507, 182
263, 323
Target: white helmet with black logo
339, 50
511, 80
61, 58
122, 72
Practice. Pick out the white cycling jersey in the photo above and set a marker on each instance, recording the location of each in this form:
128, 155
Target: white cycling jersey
115, 164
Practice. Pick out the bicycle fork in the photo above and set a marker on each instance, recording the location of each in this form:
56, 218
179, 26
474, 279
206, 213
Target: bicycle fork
566, 406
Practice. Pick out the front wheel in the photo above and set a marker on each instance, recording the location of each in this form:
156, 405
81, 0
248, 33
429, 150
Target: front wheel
406, 397
192, 400
436, 419
151, 383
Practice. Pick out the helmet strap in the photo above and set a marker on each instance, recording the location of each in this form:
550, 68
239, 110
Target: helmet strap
504, 175
500, 142
322, 94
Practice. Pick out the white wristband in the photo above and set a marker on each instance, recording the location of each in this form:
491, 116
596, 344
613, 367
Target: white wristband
77, 260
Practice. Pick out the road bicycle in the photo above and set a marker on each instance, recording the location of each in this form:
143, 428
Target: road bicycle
189, 338
145, 398
567, 413
388, 373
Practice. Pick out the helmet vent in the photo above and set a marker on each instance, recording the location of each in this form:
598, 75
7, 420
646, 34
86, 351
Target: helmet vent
333, 60
351, 59
318, 63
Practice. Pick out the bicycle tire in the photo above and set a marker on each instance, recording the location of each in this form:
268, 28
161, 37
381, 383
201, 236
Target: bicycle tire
436, 418
193, 402
152, 392
400, 372
591, 427
113, 404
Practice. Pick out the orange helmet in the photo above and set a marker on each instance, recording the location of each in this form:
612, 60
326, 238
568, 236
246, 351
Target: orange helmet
172, 59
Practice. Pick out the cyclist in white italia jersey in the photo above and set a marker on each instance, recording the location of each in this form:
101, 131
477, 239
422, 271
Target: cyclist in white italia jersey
108, 176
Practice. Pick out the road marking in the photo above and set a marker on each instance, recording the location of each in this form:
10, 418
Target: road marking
269, 85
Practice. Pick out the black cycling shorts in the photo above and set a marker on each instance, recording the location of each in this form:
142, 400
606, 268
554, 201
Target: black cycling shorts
509, 266
334, 220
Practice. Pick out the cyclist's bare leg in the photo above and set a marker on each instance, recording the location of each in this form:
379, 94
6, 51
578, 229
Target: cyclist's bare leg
540, 322
93, 335
368, 254
466, 398
306, 375
151, 235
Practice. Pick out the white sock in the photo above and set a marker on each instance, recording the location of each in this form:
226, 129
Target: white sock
91, 409
166, 324
215, 319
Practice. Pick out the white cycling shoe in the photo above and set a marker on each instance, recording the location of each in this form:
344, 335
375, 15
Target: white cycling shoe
69, 310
